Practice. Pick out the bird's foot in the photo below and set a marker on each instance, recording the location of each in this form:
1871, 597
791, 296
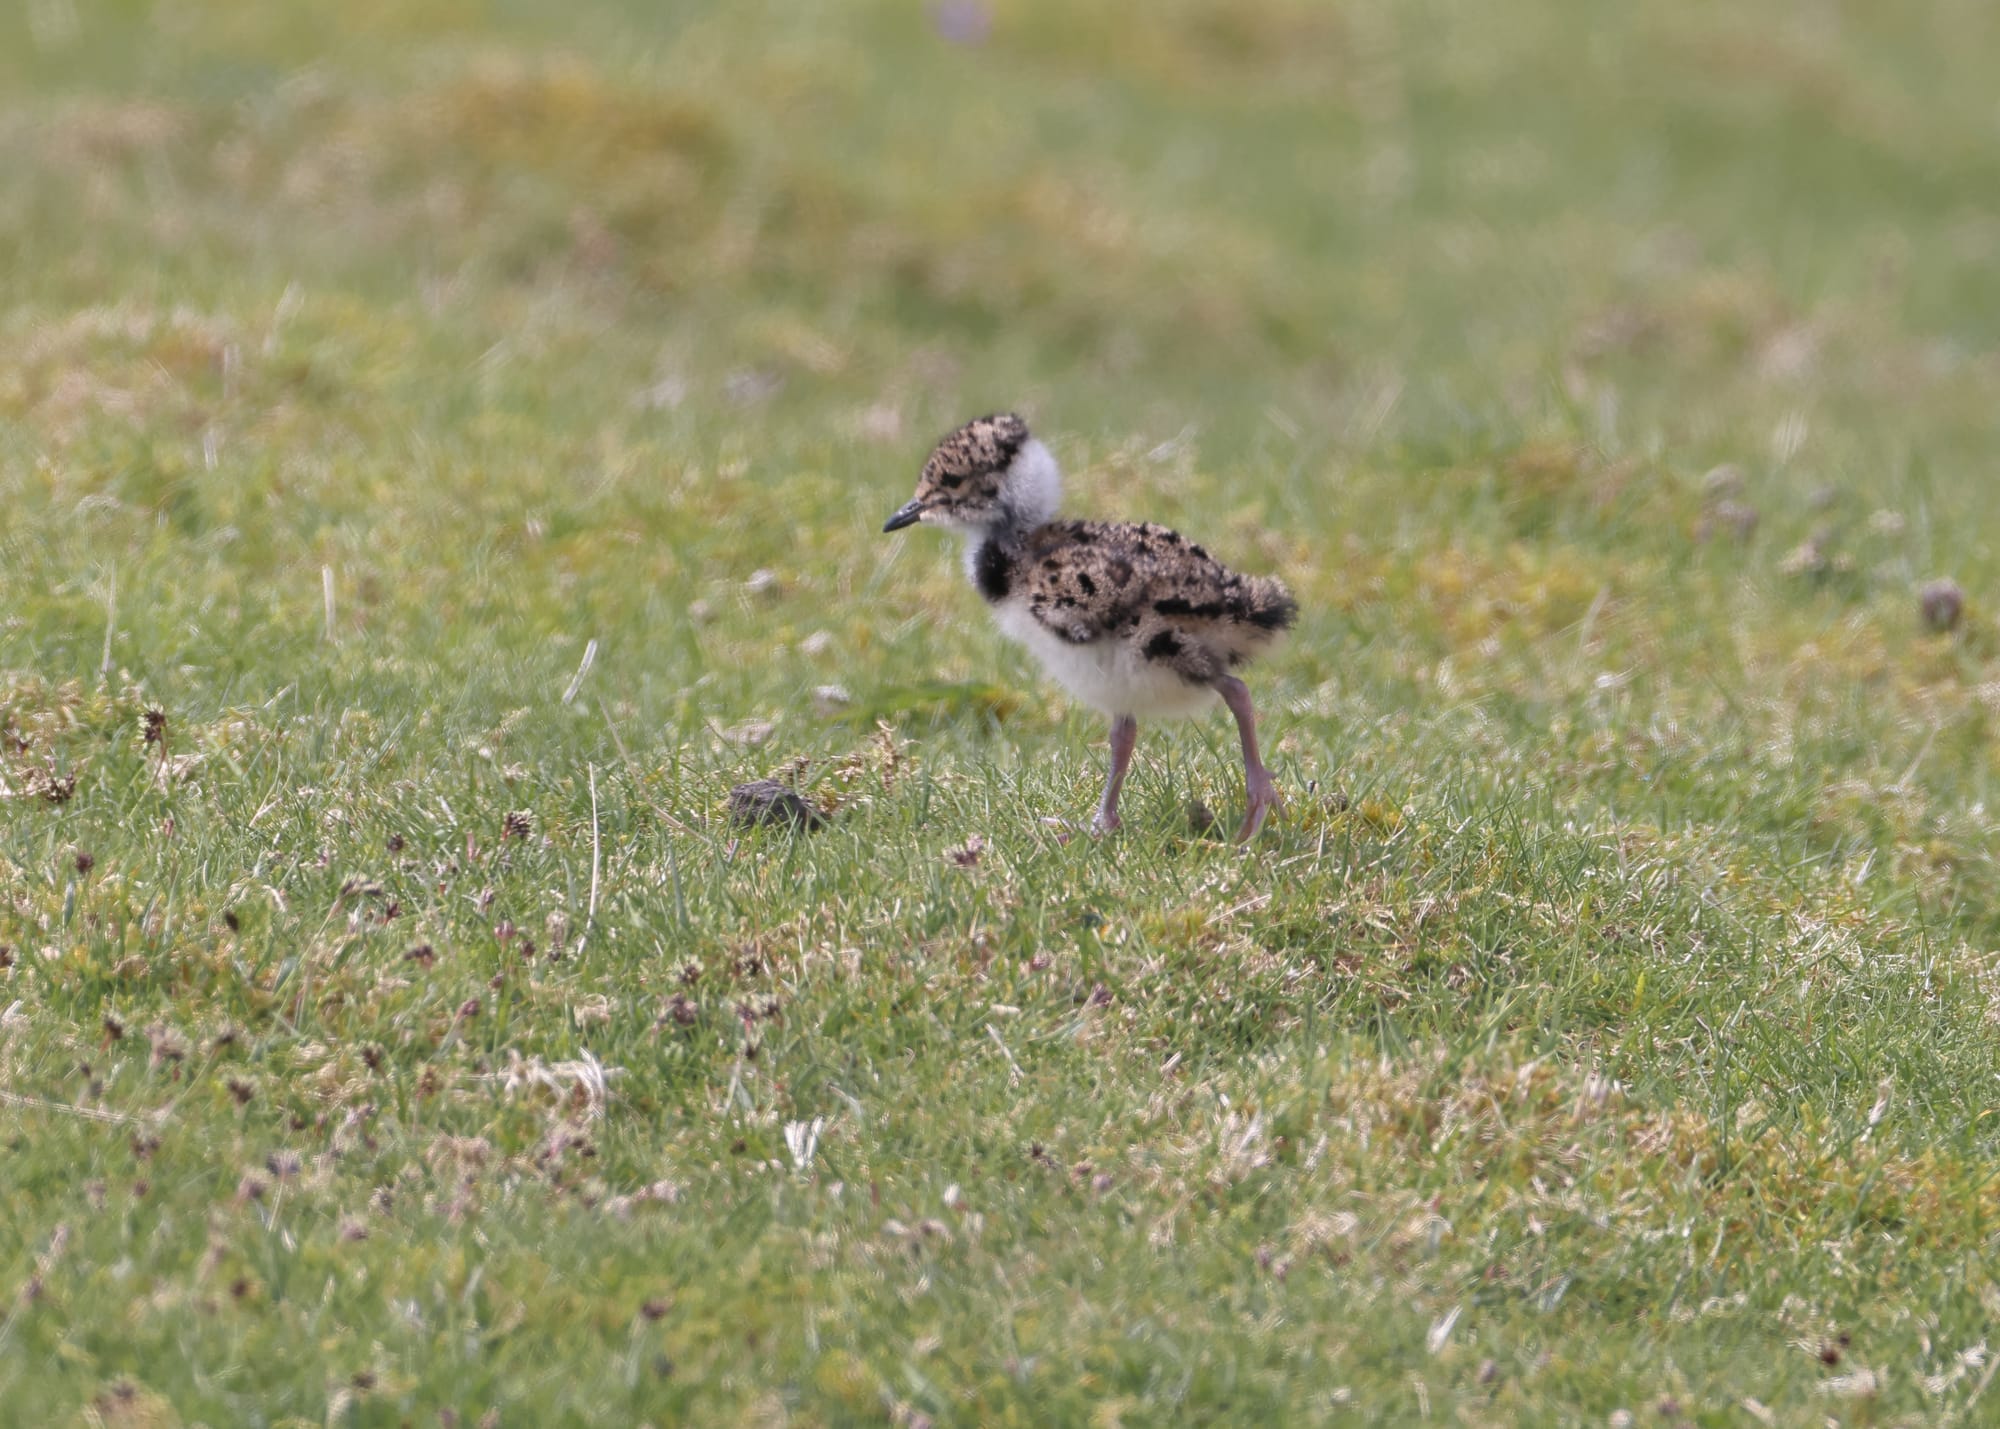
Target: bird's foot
1261, 797
1104, 821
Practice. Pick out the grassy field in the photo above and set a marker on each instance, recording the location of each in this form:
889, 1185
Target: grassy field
393, 1028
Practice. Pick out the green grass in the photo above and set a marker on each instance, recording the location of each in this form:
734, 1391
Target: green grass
1609, 1026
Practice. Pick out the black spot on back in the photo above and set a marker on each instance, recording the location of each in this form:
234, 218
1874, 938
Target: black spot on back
1176, 605
1089, 586
1163, 646
993, 571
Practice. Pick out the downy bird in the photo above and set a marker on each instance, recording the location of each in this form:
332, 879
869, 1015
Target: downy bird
1131, 618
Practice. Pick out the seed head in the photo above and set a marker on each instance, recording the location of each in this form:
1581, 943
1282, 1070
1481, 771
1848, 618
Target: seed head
969, 855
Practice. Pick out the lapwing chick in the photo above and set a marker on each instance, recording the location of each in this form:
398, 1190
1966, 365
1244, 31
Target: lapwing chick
1133, 619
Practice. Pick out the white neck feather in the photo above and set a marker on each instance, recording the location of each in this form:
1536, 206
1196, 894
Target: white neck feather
1032, 489
975, 537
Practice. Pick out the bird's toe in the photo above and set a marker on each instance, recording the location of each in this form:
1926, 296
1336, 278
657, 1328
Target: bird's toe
1261, 797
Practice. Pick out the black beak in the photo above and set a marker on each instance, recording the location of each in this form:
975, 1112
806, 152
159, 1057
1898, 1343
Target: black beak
906, 517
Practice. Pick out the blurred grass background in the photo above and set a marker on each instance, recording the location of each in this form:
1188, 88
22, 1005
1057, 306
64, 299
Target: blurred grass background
1610, 1027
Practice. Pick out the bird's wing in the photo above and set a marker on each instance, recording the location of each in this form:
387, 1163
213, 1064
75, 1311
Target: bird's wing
1086, 580
1090, 581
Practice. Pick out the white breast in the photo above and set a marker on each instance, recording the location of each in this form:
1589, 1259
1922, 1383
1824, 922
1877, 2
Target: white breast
1107, 675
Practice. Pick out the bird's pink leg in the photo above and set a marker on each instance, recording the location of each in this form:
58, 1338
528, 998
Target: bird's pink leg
1124, 734
1261, 793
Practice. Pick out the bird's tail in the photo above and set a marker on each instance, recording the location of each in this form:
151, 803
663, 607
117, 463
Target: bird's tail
1271, 605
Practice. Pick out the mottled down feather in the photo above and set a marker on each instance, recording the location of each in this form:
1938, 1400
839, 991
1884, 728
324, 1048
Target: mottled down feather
1143, 585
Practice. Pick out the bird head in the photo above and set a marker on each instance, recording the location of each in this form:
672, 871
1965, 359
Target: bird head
990, 473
